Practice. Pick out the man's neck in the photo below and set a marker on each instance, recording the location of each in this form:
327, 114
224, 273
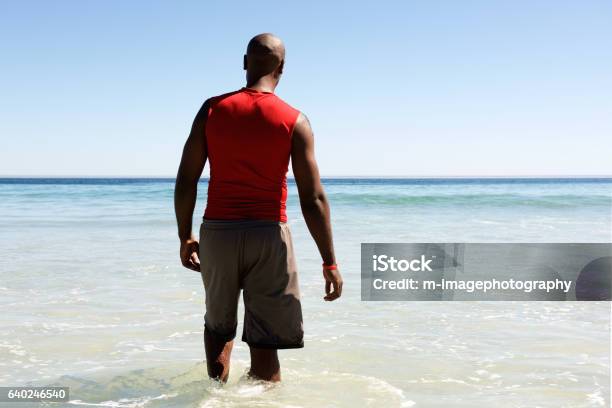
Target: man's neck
262, 84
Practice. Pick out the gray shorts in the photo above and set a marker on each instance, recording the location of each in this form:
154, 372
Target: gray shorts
256, 257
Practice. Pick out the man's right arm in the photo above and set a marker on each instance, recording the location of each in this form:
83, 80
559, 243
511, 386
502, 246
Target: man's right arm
313, 201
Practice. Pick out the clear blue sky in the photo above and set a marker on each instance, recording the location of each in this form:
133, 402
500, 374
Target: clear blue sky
391, 88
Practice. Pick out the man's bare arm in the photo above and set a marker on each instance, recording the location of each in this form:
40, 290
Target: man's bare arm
186, 188
313, 201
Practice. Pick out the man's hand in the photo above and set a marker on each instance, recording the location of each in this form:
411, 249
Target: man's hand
333, 279
189, 254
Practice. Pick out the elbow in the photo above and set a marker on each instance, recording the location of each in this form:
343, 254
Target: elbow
314, 202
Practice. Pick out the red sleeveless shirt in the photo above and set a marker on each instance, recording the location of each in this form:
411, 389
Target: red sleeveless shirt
248, 138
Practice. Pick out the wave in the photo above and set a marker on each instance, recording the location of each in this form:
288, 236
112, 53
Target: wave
184, 385
488, 200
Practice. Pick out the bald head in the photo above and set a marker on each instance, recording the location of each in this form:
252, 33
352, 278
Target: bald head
265, 56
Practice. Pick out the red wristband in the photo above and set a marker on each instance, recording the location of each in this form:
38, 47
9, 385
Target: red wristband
330, 267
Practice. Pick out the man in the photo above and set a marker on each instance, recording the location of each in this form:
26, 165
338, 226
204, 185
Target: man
245, 244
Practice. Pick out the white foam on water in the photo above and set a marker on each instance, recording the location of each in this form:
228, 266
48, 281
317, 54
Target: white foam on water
124, 402
596, 398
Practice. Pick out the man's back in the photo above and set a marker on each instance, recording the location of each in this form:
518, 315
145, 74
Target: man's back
245, 243
248, 136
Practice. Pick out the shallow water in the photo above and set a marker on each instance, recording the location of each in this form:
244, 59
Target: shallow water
93, 297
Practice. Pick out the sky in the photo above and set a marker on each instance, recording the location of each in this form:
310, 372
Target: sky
406, 88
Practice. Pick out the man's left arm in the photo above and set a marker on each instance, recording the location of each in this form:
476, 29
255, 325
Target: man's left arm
186, 188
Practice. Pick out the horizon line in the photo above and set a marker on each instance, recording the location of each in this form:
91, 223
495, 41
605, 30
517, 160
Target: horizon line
290, 177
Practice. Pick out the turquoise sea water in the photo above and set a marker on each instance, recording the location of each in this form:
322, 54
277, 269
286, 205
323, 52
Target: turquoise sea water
92, 296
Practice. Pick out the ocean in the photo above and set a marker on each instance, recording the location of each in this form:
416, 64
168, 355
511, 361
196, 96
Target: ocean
93, 296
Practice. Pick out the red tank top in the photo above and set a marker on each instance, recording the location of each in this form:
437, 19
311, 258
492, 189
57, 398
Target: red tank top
248, 137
